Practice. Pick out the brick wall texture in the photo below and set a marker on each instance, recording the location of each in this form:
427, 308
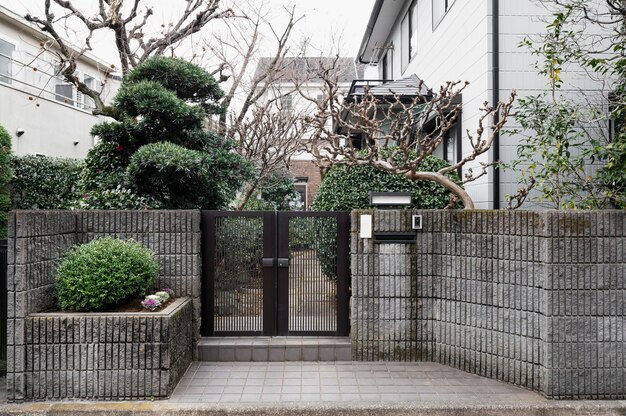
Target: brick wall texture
536, 299
37, 239
308, 169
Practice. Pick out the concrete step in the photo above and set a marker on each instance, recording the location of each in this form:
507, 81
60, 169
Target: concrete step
274, 349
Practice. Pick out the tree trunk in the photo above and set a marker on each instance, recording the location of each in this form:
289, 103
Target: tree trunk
447, 183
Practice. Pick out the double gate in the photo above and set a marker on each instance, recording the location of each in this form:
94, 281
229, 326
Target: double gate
275, 273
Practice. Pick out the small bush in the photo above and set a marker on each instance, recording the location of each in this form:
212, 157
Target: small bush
103, 273
5, 177
45, 182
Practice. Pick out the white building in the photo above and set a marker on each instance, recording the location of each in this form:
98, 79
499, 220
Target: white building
475, 41
303, 72
44, 114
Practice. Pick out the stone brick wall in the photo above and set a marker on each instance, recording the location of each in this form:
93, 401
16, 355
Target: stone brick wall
38, 238
531, 298
585, 305
112, 356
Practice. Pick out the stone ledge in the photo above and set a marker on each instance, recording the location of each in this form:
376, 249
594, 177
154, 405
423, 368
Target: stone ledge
110, 356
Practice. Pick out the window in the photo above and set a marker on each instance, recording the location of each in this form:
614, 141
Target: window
87, 102
388, 66
408, 34
286, 103
301, 193
64, 92
449, 149
440, 8
6, 54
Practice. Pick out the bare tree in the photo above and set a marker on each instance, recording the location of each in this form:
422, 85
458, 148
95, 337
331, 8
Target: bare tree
257, 56
269, 139
127, 19
398, 133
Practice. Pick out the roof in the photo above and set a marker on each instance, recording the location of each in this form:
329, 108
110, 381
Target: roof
384, 14
411, 86
307, 68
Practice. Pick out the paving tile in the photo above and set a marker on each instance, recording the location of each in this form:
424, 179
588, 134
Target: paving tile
233, 390
291, 389
230, 398
270, 397
232, 382
272, 389
210, 390
252, 389
260, 353
250, 398
310, 397
291, 397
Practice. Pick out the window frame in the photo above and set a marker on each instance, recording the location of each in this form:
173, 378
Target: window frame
9, 76
446, 8
408, 36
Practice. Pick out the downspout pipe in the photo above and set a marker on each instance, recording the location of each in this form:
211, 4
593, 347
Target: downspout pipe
495, 74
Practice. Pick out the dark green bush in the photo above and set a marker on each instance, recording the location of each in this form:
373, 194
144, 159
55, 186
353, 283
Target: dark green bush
179, 177
44, 182
103, 273
5, 178
118, 198
158, 146
345, 188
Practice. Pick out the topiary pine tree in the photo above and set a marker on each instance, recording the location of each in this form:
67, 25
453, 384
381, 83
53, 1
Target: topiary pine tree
158, 147
5, 178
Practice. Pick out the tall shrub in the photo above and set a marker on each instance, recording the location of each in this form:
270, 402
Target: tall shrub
5, 177
158, 147
44, 182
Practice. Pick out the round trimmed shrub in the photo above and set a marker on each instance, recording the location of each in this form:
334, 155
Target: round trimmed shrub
345, 188
103, 273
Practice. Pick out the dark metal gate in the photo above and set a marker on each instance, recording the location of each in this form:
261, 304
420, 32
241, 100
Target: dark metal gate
275, 273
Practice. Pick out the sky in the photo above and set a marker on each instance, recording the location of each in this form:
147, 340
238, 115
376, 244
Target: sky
325, 21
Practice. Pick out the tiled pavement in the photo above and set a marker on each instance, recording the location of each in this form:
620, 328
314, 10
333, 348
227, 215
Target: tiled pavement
253, 382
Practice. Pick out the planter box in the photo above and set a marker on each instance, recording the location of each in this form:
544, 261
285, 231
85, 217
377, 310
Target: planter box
107, 356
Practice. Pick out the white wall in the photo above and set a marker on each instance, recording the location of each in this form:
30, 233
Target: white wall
28, 101
460, 48
457, 49
527, 19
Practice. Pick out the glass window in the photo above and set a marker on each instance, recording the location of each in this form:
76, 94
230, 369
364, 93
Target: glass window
405, 33
449, 150
440, 8
408, 27
413, 30
87, 101
64, 92
286, 103
301, 197
6, 54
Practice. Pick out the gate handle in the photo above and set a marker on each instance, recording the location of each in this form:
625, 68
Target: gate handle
269, 262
